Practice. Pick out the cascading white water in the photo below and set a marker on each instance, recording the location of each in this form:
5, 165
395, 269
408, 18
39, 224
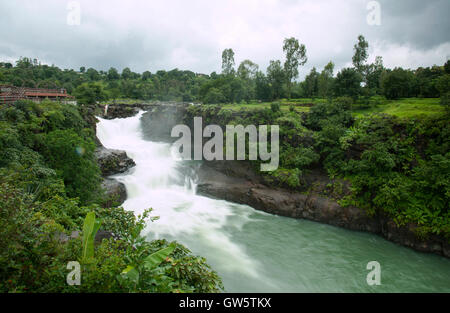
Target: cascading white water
155, 182
253, 251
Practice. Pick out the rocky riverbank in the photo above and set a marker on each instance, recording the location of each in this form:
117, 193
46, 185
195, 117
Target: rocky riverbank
113, 162
233, 181
237, 182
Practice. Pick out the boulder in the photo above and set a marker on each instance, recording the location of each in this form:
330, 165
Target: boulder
113, 161
115, 191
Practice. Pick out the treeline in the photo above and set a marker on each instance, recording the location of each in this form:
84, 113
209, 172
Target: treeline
244, 83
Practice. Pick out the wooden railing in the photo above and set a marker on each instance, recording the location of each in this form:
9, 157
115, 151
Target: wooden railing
10, 94
42, 90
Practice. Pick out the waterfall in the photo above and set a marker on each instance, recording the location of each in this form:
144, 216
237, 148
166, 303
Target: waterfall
253, 251
157, 182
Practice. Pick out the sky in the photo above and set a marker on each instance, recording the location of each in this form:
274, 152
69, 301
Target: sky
191, 34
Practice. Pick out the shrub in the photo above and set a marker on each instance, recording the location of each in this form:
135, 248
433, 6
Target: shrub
73, 158
275, 107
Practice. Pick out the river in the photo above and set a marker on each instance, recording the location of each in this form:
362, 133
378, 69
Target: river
254, 251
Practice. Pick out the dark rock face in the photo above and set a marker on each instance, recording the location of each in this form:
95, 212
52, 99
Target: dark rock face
124, 110
158, 122
282, 202
311, 206
113, 161
120, 111
115, 191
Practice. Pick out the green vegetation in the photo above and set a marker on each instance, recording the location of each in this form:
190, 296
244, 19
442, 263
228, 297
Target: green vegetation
398, 166
247, 83
409, 107
50, 187
386, 132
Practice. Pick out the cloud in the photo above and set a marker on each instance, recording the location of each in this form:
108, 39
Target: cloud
154, 35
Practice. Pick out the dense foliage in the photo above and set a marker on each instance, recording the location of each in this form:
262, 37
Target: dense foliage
49, 182
399, 167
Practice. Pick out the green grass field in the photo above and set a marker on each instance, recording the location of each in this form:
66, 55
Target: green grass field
410, 107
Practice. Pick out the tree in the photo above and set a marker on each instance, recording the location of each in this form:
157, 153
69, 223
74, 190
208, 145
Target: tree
247, 73
113, 74
262, 87
90, 93
247, 70
228, 62
82, 69
397, 83
443, 84
275, 76
295, 57
126, 73
360, 57
347, 83
373, 75
325, 81
24, 63
447, 67
93, 74
214, 96
311, 83
146, 75
114, 90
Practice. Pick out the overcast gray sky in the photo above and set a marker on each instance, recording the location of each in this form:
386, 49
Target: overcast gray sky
191, 34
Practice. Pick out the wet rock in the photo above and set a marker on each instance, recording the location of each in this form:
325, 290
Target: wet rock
113, 161
115, 192
158, 122
120, 111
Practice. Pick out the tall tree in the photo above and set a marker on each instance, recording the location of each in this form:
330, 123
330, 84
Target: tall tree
112, 74
262, 88
325, 81
311, 83
275, 76
126, 73
247, 70
228, 62
374, 72
295, 57
348, 83
361, 54
247, 73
